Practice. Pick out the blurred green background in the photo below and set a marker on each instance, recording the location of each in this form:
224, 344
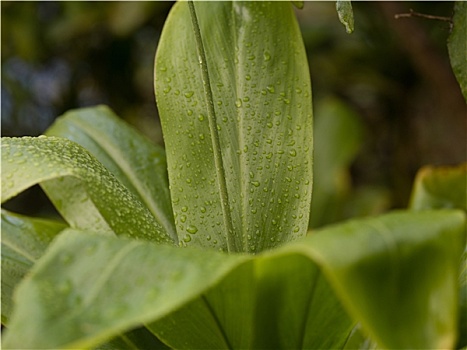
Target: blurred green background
385, 99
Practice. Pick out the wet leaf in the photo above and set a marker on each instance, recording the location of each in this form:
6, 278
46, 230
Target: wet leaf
131, 158
261, 92
398, 278
82, 190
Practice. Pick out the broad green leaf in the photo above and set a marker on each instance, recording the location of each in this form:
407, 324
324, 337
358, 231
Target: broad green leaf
135, 162
24, 240
440, 187
345, 13
338, 137
457, 45
83, 191
96, 286
396, 275
261, 95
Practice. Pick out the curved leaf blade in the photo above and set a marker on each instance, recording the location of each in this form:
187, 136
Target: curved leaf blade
403, 289
262, 100
398, 277
85, 193
139, 165
24, 240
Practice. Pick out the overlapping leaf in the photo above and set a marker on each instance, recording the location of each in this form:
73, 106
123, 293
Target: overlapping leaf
398, 277
139, 165
260, 85
83, 191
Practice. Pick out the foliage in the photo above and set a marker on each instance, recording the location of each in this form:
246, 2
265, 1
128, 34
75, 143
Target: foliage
233, 267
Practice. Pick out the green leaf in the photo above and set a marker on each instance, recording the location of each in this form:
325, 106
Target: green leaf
281, 300
135, 162
396, 275
457, 45
440, 187
345, 13
96, 286
24, 240
262, 104
83, 191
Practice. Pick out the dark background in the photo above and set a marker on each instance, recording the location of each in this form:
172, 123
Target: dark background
392, 75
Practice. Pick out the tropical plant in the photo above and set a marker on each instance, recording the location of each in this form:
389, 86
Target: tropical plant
221, 258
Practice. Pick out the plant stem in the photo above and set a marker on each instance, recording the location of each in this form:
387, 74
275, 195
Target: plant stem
216, 147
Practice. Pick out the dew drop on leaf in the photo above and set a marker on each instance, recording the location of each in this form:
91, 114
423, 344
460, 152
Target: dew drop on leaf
192, 229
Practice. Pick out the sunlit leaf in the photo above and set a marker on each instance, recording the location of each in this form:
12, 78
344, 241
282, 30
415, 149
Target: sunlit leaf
457, 45
24, 240
135, 162
83, 191
261, 91
396, 275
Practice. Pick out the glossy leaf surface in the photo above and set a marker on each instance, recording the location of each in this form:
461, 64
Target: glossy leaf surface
24, 240
398, 278
261, 91
83, 191
135, 162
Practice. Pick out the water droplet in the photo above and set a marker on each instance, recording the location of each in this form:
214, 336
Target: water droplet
183, 218
184, 209
187, 238
267, 55
271, 89
188, 94
255, 183
192, 229
167, 90
238, 103
248, 77
201, 117
292, 152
